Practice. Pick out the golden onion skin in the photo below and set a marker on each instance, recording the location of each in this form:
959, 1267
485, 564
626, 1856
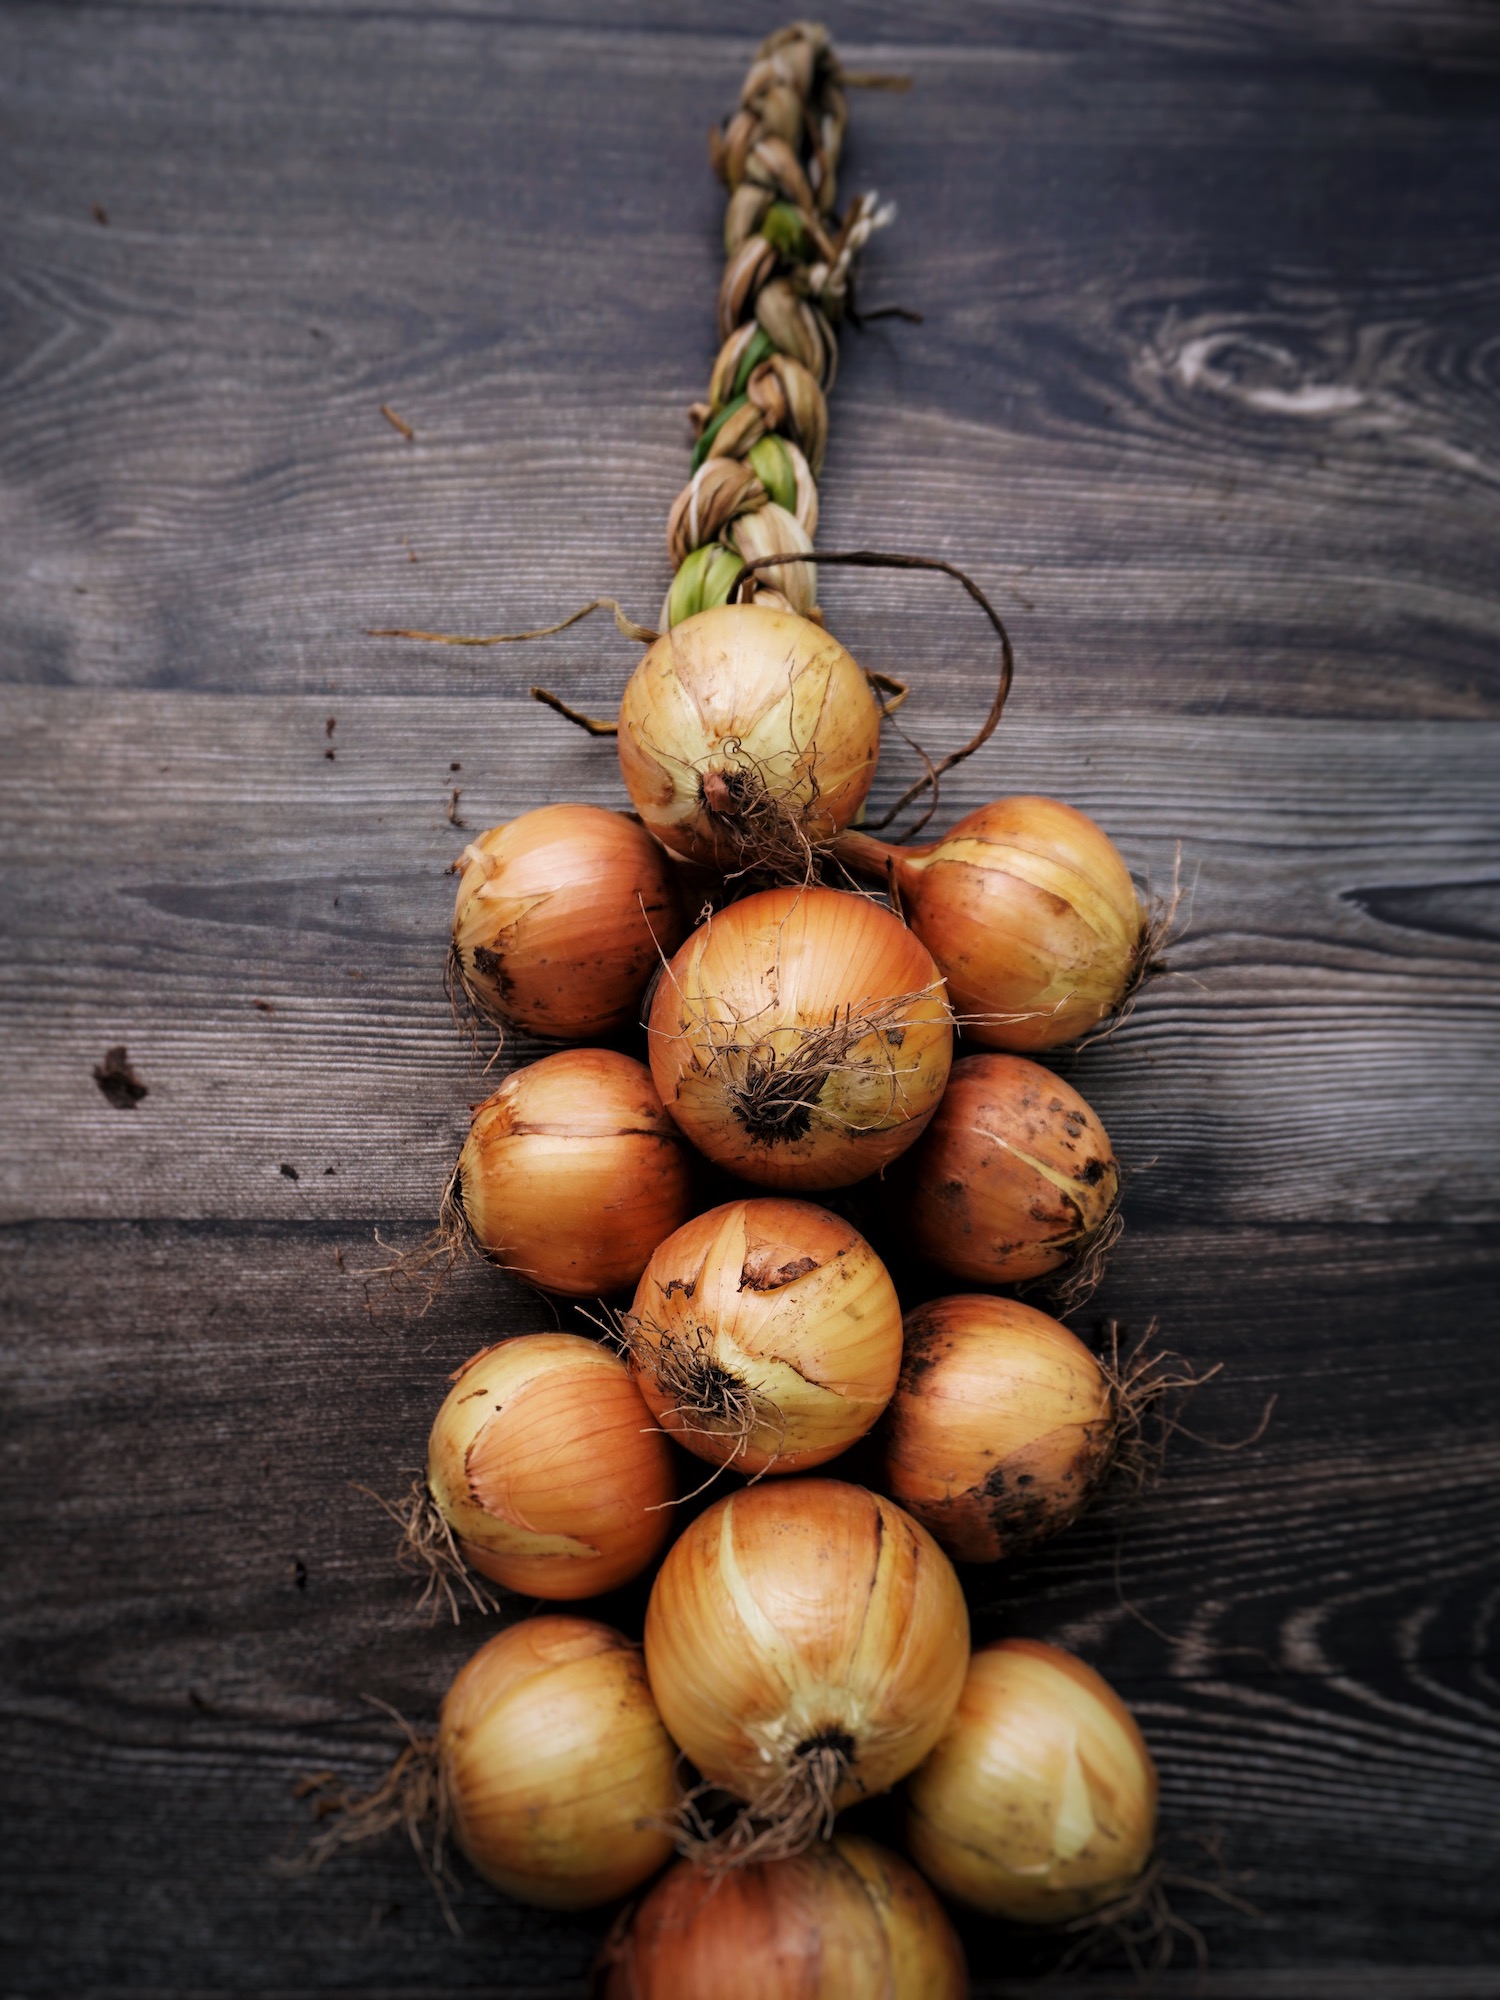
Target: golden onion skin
801, 1612
744, 701
561, 918
545, 1464
553, 1760
801, 1038
1013, 1178
1039, 1802
1001, 1428
846, 1921
572, 1173
793, 1305
1030, 913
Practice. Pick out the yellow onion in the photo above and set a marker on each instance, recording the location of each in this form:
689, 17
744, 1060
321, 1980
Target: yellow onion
547, 1470
1014, 1177
748, 736
560, 920
843, 1922
1002, 1427
806, 1643
555, 1766
572, 1174
1030, 914
801, 1038
766, 1335
1039, 1803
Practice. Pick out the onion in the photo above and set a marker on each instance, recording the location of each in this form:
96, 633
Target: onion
571, 1174
560, 920
748, 736
1030, 914
550, 1767
545, 1471
1002, 1429
844, 1922
555, 1765
1013, 1179
765, 1334
1039, 1803
806, 1643
801, 1038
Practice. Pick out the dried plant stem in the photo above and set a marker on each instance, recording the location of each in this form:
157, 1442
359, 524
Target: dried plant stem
932, 776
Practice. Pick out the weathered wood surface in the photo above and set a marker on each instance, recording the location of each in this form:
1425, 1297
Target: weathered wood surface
1207, 393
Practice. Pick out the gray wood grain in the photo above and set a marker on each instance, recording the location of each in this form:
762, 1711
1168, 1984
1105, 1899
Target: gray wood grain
1336, 982
1205, 396
1211, 452
1300, 1626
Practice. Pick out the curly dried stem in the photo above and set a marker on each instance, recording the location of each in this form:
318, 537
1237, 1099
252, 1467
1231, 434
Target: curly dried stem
932, 776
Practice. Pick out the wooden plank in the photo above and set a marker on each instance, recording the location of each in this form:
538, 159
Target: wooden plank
1339, 970
1410, 32
1208, 462
1302, 1626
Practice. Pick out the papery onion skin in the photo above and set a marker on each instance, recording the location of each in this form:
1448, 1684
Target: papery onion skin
553, 1760
801, 1613
572, 1173
846, 1921
560, 919
1014, 1177
1030, 914
1001, 1429
782, 1301
1039, 1802
548, 1470
801, 1038
736, 706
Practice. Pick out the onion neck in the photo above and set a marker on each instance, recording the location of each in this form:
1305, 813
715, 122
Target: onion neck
876, 860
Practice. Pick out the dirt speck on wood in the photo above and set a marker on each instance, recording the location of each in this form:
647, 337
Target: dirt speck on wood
119, 1082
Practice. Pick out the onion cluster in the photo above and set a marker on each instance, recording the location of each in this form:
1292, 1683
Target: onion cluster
806, 1641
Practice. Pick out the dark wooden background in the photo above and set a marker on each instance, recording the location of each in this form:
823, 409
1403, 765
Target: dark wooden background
1208, 395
